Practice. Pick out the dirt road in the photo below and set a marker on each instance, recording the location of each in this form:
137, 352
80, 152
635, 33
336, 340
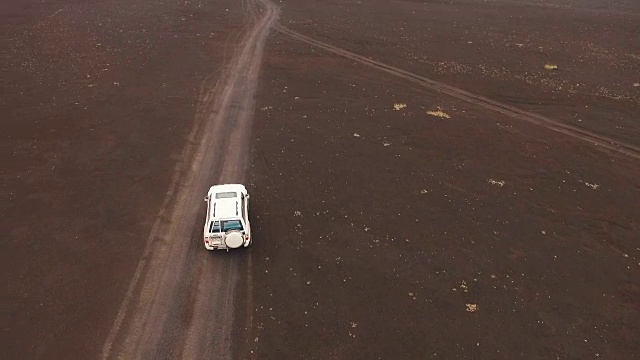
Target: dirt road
159, 297
507, 110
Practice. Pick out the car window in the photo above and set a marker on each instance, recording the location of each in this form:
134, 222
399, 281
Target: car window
226, 195
214, 227
231, 225
242, 204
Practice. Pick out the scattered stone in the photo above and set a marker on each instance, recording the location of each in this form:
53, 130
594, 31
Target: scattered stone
593, 186
472, 307
439, 113
399, 106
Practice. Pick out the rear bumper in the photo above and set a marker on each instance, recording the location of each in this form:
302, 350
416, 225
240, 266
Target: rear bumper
215, 247
222, 246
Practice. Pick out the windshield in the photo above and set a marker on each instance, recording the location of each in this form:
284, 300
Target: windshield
226, 195
231, 225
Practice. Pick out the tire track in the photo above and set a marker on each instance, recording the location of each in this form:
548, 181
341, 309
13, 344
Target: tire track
156, 307
511, 111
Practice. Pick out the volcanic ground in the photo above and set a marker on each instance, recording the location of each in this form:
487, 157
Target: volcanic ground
428, 179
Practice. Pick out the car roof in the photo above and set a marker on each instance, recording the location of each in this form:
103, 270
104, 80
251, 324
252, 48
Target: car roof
225, 208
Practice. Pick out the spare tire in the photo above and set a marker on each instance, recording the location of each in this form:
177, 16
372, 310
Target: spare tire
234, 240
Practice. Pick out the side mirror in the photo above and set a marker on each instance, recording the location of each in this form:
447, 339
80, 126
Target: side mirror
206, 198
248, 196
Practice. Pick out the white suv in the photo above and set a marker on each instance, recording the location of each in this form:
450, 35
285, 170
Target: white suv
227, 225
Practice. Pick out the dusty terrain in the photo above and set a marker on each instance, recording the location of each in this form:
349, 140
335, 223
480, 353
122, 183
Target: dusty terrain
506, 227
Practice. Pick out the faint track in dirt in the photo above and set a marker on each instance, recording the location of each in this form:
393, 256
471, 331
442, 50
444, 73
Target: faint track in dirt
180, 301
511, 111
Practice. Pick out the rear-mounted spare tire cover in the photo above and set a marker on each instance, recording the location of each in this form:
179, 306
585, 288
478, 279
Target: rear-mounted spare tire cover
234, 240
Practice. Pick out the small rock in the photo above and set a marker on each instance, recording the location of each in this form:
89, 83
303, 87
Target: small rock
594, 186
399, 106
439, 113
